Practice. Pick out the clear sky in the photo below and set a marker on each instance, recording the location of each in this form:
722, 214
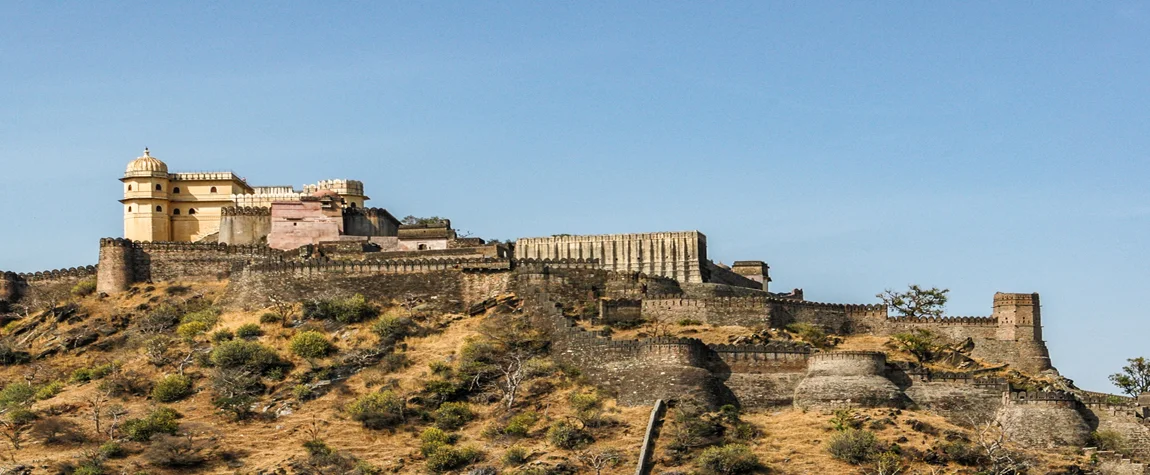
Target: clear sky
854, 146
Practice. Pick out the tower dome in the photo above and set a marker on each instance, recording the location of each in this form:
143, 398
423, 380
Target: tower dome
146, 165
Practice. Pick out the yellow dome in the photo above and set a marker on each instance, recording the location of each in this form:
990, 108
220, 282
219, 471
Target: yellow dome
147, 164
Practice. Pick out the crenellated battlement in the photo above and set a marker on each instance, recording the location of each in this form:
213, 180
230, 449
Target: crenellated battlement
83, 271
383, 266
947, 320
246, 211
1042, 398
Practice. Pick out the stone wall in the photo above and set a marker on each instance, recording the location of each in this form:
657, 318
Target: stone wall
679, 255
447, 287
369, 222
756, 310
613, 311
245, 225
124, 262
847, 379
1040, 420
54, 284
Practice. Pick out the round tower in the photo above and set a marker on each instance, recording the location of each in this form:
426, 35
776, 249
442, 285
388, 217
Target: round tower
1043, 419
847, 379
146, 201
114, 271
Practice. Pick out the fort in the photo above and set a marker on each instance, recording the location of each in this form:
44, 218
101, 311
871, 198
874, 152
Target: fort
274, 242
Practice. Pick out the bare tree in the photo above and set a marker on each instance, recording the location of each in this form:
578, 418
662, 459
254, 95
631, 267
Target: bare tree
659, 326
598, 460
282, 307
512, 356
992, 441
14, 428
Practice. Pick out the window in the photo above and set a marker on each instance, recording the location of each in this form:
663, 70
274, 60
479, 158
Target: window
129, 209
191, 211
423, 247
159, 188
353, 205
159, 209
176, 211
176, 190
129, 187
213, 190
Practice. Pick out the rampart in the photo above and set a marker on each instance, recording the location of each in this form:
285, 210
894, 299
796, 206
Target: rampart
56, 282
847, 378
678, 255
245, 225
369, 222
1043, 419
759, 310
123, 262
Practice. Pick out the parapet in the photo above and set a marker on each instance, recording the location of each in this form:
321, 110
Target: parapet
1043, 398
1002, 298
82, 271
947, 320
246, 211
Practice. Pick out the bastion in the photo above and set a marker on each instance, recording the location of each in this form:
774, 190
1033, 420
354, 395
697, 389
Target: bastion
847, 379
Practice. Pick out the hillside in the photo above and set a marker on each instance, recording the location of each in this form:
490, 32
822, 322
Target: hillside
349, 385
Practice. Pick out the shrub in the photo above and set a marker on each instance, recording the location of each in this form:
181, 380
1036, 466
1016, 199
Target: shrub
853, 446
49, 391
515, 455
378, 410
1108, 440
269, 318
310, 345
519, 425
728, 459
17, 395
963, 453
112, 449
209, 316
450, 458
565, 435
176, 452
189, 331
221, 336
845, 419
160, 319
20, 416
249, 330
81, 375
84, 288
248, 355
812, 334
391, 329
302, 392
432, 439
172, 388
162, 420
352, 309
453, 415
55, 430
688, 322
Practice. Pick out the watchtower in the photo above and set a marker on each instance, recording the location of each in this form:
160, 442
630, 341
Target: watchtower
1019, 317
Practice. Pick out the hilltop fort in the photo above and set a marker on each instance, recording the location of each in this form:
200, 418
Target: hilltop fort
270, 243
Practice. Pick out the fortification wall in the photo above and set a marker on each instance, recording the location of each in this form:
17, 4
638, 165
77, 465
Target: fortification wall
620, 310
1123, 419
245, 225
52, 285
961, 397
761, 375
446, 286
847, 379
721, 275
750, 311
679, 255
1043, 419
369, 222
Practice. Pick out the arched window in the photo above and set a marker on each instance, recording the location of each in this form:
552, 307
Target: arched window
129, 187
129, 209
159, 188
213, 190
159, 209
191, 211
423, 247
176, 190
176, 211
353, 205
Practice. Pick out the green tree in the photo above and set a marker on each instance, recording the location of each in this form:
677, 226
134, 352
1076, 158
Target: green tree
916, 301
1134, 378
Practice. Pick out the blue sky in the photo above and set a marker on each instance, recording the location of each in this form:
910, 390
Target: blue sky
977, 146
